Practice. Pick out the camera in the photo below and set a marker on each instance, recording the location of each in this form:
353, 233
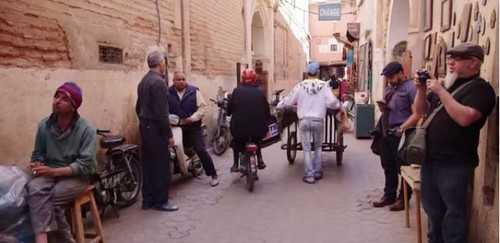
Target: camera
423, 75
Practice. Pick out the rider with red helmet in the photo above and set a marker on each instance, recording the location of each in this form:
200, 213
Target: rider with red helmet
249, 112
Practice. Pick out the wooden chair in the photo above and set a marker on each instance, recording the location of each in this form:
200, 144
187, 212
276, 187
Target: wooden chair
86, 197
411, 178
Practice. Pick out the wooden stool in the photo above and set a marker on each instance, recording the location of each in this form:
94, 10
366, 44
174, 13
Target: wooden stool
411, 177
85, 197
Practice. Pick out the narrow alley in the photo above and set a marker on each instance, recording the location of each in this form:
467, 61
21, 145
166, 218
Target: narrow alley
281, 209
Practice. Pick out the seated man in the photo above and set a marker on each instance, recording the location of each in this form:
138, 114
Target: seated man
249, 112
187, 102
63, 159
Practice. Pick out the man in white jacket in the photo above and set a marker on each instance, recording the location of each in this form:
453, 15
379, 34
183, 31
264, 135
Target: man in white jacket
312, 98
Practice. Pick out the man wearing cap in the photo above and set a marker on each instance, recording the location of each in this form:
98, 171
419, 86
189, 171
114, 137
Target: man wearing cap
63, 158
312, 98
396, 116
154, 126
452, 140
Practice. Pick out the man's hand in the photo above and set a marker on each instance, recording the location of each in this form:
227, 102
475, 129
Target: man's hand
187, 121
43, 170
34, 164
171, 141
435, 86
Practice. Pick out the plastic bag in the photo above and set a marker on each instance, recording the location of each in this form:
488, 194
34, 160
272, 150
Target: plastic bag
345, 123
14, 214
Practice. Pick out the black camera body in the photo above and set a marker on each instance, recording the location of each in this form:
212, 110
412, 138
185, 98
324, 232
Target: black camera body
423, 75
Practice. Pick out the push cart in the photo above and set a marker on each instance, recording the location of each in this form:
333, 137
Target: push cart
333, 140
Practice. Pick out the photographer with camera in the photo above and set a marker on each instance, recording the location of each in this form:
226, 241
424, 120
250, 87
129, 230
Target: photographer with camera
461, 108
397, 115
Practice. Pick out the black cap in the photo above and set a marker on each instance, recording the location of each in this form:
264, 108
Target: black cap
392, 68
467, 50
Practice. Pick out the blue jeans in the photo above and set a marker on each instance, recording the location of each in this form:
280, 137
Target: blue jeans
311, 136
444, 196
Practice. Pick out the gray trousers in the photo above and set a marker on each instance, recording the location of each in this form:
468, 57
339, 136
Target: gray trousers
311, 135
47, 199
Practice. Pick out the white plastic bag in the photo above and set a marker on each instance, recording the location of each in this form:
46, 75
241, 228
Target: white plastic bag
14, 215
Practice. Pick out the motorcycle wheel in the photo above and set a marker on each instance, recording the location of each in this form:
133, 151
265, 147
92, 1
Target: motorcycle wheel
252, 172
131, 183
220, 141
196, 168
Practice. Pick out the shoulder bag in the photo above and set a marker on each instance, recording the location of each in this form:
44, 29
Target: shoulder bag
412, 146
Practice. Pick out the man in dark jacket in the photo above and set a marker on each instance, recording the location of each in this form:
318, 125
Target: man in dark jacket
155, 134
249, 112
187, 102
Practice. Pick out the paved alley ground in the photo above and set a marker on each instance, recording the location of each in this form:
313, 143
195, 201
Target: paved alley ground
281, 209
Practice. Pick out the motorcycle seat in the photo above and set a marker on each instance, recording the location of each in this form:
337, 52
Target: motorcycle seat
125, 147
112, 141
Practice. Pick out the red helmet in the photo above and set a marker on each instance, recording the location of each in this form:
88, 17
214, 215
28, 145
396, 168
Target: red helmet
248, 76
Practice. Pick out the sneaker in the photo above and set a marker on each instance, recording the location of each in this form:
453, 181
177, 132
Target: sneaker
235, 169
309, 179
318, 175
214, 181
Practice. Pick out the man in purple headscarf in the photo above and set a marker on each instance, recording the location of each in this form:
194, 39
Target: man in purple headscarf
63, 159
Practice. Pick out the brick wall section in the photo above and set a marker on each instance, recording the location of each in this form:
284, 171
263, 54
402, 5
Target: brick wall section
217, 36
289, 56
32, 33
30, 40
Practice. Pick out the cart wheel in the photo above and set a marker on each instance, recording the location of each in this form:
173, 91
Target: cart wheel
291, 149
340, 150
340, 155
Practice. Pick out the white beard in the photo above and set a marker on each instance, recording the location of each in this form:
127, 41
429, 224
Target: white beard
450, 79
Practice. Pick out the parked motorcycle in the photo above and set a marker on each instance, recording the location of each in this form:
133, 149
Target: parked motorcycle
119, 177
222, 136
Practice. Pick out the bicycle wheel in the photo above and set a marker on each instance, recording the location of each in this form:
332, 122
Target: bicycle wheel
220, 141
291, 149
130, 184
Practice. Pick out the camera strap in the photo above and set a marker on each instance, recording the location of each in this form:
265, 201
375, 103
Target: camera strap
427, 121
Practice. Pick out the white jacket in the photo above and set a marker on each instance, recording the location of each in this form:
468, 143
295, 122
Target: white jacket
312, 97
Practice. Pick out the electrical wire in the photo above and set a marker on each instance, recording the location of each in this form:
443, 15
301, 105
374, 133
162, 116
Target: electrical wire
292, 19
159, 21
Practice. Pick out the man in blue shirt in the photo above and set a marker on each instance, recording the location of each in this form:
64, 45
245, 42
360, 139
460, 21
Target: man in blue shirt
397, 115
